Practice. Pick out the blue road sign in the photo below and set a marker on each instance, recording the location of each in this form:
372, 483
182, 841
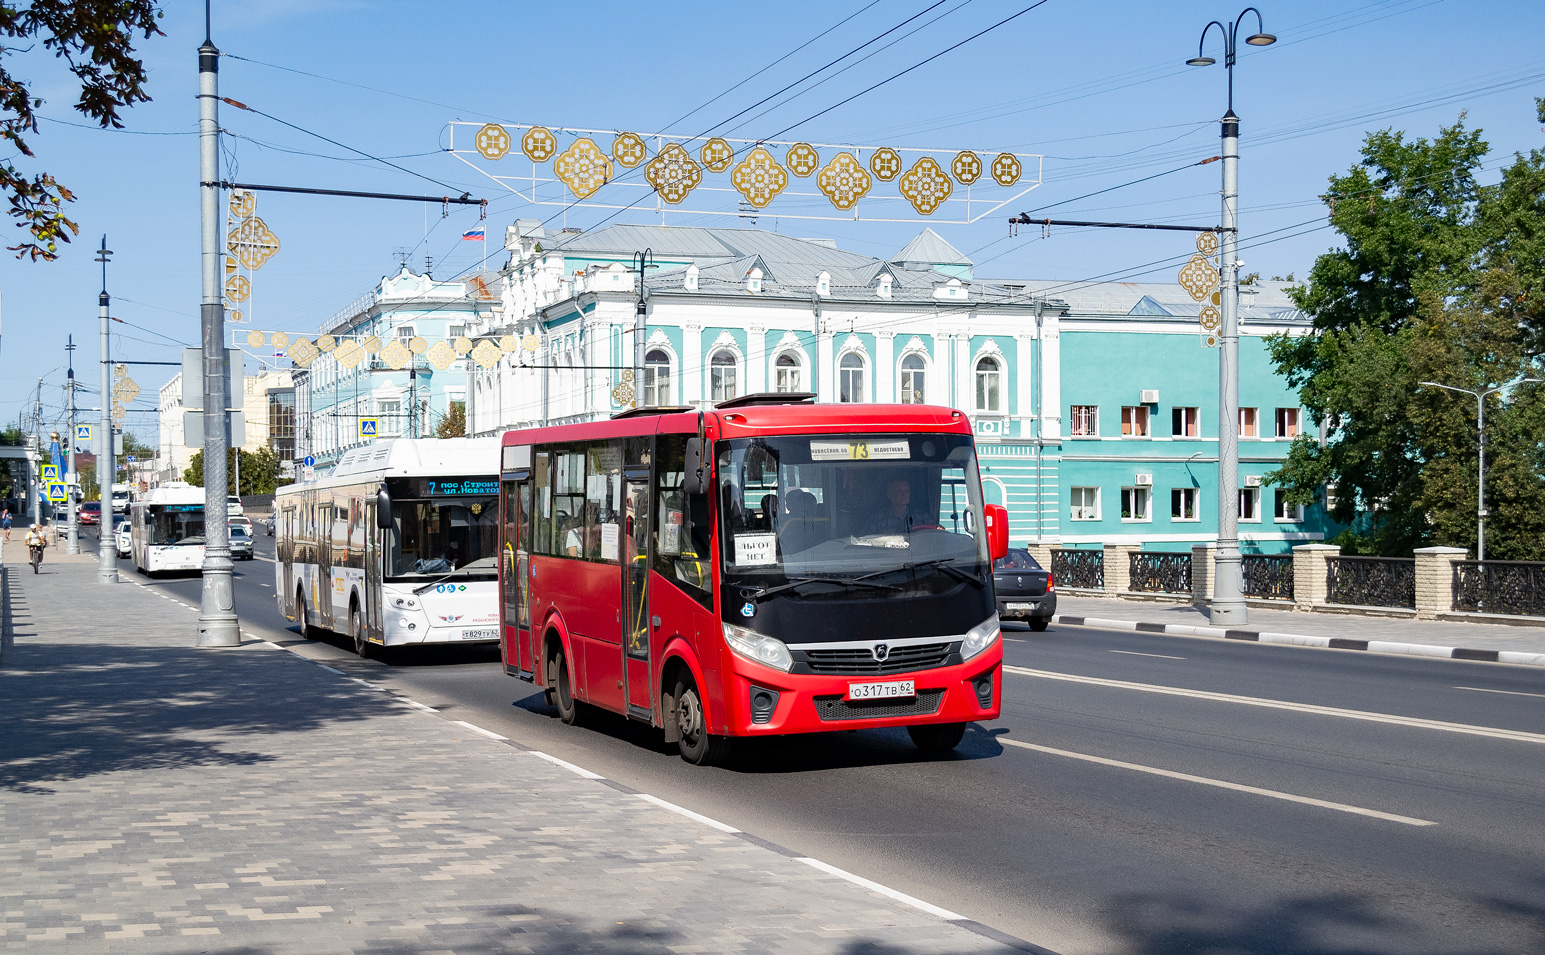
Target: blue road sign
56, 492
367, 427
310, 461
50, 473
82, 433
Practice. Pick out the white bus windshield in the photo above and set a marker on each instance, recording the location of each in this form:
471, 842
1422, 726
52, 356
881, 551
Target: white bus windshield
437, 536
174, 524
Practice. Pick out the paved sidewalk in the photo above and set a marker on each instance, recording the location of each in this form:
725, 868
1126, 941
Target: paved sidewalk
158, 798
1344, 631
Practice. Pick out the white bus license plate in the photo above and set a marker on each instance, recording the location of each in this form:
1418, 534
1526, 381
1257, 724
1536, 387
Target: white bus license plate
882, 691
480, 634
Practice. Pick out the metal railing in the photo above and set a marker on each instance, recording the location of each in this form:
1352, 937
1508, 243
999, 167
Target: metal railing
1371, 581
1268, 578
1500, 586
1160, 573
1081, 569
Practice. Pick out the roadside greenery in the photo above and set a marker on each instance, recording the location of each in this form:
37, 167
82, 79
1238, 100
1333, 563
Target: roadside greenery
1441, 279
259, 471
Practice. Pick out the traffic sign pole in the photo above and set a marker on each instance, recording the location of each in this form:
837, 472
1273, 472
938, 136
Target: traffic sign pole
72, 538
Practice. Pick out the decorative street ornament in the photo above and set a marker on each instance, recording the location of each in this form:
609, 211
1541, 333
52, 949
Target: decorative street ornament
629, 150
252, 243
1207, 243
967, 167
492, 141
303, 353
844, 181
673, 174
926, 186
1199, 276
396, 355
238, 288
531, 343
583, 168
509, 344
622, 394
486, 354
759, 178
417, 345
440, 355
717, 154
256, 339
230, 265
1211, 318
462, 346
1006, 169
802, 160
371, 344
243, 203
350, 355
885, 163
118, 413
326, 343
539, 144
235, 316
627, 375
281, 341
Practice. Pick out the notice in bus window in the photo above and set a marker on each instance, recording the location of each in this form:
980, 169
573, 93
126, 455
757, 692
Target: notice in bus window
609, 537
670, 532
754, 549
898, 450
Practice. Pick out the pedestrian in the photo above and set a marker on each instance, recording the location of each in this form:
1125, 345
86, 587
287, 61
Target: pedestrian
5, 520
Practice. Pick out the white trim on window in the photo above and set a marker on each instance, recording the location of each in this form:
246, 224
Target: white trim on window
1183, 501
1138, 502
1084, 504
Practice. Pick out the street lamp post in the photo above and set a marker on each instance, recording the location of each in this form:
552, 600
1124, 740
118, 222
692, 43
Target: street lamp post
1228, 604
107, 557
1480, 467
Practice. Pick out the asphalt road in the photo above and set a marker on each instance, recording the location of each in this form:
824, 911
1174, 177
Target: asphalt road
1141, 793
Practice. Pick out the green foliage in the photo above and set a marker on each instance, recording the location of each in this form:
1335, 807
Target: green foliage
95, 38
1441, 279
259, 471
454, 424
11, 437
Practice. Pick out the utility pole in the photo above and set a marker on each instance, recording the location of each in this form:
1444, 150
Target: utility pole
217, 622
72, 538
642, 263
37, 428
107, 560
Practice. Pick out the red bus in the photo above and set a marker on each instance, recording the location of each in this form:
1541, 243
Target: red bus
770, 566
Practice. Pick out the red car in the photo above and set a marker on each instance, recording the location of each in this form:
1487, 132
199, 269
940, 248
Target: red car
91, 512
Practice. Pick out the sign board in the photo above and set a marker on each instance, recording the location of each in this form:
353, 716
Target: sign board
367, 427
50, 473
193, 428
96, 444
131, 459
83, 433
193, 378
287, 468
56, 492
308, 473
310, 461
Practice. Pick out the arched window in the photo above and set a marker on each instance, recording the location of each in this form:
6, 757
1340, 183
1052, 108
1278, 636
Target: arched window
850, 378
988, 392
913, 370
657, 379
786, 376
721, 376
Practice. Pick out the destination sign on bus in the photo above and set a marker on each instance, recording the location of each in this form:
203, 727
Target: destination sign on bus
896, 450
451, 487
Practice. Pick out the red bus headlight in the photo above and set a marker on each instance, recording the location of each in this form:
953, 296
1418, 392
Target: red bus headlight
979, 638
758, 647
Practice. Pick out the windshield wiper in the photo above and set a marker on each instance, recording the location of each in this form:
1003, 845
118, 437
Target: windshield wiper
793, 583
441, 580
943, 563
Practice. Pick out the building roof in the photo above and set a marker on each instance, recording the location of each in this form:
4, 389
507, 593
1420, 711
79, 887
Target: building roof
929, 248
705, 246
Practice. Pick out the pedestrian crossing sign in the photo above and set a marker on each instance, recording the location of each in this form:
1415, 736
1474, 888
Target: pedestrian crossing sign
368, 427
50, 473
56, 492
82, 433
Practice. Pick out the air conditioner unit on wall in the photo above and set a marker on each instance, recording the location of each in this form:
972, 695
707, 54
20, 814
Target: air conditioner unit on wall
1149, 396
1143, 480
1252, 480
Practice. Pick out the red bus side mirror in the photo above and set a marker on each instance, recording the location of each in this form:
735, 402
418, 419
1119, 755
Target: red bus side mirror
997, 530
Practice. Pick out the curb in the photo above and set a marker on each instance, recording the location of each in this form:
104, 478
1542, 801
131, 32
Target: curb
1304, 640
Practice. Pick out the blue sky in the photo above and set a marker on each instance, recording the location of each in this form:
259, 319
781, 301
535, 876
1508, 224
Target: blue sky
1101, 90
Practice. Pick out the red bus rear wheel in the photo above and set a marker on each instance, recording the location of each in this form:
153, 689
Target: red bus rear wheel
558, 676
697, 745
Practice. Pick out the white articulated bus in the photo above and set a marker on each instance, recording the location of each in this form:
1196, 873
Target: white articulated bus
398, 545
166, 529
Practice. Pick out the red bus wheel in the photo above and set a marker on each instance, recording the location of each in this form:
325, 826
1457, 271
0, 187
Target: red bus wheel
558, 676
937, 737
697, 745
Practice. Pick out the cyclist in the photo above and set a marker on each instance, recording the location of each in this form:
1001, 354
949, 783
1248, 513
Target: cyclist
35, 544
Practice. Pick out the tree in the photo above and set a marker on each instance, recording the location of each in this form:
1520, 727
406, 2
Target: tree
95, 38
454, 424
259, 471
1440, 279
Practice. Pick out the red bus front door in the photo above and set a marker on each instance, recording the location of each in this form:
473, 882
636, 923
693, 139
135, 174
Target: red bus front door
636, 624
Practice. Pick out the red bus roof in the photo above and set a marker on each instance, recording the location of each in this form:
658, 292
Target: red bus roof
759, 420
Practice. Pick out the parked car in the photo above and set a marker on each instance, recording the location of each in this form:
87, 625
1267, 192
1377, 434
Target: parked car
122, 541
268, 526
1025, 590
90, 513
241, 543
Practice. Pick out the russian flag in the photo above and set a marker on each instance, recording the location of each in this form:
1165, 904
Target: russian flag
474, 235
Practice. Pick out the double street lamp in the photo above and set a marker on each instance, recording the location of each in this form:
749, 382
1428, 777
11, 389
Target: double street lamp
1480, 468
1228, 605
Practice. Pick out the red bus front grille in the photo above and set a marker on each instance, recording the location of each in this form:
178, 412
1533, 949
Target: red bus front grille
833, 708
860, 660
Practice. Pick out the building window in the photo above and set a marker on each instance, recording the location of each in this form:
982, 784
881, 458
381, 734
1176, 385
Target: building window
1287, 422
913, 373
850, 379
1086, 421
1187, 422
1250, 504
786, 374
1135, 503
1247, 423
1182, 504
657, 379
721, 376
390, 413
987, 381
281, 422
1286, 513
405, 332
1134, 421
1086, 503
456, 331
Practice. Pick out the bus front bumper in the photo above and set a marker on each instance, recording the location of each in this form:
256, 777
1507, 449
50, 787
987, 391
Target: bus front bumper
761, 701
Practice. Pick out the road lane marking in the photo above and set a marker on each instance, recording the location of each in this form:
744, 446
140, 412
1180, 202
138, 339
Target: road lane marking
1409, 721
884, 890
683, 811
1482, 689
1221, 784
1134, 653
479, 730
578, 770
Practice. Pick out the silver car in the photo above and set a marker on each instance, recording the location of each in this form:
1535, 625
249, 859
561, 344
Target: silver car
241, 543
123, 541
